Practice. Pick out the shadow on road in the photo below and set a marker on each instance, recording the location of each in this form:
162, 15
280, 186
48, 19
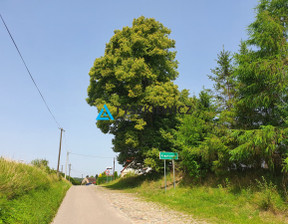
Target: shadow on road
132, 181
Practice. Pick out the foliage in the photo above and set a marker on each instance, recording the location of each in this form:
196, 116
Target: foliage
28, 194
261, 104
37, 206
262, 70
190, 164
224, 80
18, 178
241, 124
115, 175
73, 180
103, 178
268, 191
213, 204
137, 70
245, 123
41, 163
258, 146
238, 129
201, 139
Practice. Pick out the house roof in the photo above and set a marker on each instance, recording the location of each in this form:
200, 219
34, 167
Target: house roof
91, 179
129, 162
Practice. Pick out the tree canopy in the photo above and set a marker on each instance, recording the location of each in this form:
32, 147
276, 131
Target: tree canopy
242, 122
246, 122
137, 70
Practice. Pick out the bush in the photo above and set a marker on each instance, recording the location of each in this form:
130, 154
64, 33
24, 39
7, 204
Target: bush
267, 194
42, 164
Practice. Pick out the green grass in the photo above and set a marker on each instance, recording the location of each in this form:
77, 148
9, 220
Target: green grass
29, 194
259, 204
17, 178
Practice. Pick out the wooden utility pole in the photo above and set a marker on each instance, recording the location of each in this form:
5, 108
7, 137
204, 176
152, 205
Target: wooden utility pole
69, 171
66, 164
59, 151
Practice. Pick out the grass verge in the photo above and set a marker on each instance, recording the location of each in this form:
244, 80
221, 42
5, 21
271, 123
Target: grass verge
28, 194
251, 205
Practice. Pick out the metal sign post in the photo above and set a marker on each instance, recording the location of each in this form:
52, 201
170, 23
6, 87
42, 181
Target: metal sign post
165, 173
172, 156
108, 173
173, 163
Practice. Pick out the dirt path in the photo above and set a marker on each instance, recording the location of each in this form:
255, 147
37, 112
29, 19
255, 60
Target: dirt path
94, 204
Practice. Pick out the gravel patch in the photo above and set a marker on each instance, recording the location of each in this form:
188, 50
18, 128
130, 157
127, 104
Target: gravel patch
140, 211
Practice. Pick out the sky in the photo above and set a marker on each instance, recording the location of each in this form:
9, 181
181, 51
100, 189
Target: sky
60, 40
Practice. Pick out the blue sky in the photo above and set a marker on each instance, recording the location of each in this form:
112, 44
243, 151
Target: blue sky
60, 41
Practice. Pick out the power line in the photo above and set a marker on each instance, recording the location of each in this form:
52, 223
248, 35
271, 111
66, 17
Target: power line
65, 145
30, 73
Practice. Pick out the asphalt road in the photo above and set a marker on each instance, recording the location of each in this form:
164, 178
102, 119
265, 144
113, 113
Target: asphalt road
84, 204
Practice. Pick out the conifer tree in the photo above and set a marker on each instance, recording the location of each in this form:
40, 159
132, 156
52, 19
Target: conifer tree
224, 81
262, 75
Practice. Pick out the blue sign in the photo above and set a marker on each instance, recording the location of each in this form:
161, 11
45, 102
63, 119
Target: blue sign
104, 114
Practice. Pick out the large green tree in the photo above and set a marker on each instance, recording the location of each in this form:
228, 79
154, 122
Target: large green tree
201, 138
262, 75
137, 69
247, 122
262, 68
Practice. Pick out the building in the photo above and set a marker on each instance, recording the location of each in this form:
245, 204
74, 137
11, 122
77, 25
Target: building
89, 180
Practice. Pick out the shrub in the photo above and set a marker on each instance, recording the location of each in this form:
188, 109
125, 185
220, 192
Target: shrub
266, 195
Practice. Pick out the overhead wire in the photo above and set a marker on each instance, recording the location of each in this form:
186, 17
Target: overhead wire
65, 142
40, 93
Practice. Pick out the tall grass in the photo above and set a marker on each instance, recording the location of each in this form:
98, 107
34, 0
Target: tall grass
225, 202
18, 178
28, 194
37, 206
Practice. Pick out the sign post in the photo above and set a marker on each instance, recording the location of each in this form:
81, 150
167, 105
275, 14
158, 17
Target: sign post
107, 171
172, 156
173, 164
165, 173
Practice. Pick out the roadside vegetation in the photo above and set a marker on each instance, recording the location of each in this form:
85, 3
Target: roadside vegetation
103, 178
250, 199
240, 124
232, 140
29, 193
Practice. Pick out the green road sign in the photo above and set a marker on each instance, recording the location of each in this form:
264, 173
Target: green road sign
168, 155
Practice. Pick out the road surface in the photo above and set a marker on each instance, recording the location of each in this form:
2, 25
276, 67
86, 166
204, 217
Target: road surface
84, 204
98, 205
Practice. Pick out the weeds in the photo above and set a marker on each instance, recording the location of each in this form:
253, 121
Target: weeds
268, 190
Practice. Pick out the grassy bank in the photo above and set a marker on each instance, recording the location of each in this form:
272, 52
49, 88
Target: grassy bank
29, 194
259, 202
